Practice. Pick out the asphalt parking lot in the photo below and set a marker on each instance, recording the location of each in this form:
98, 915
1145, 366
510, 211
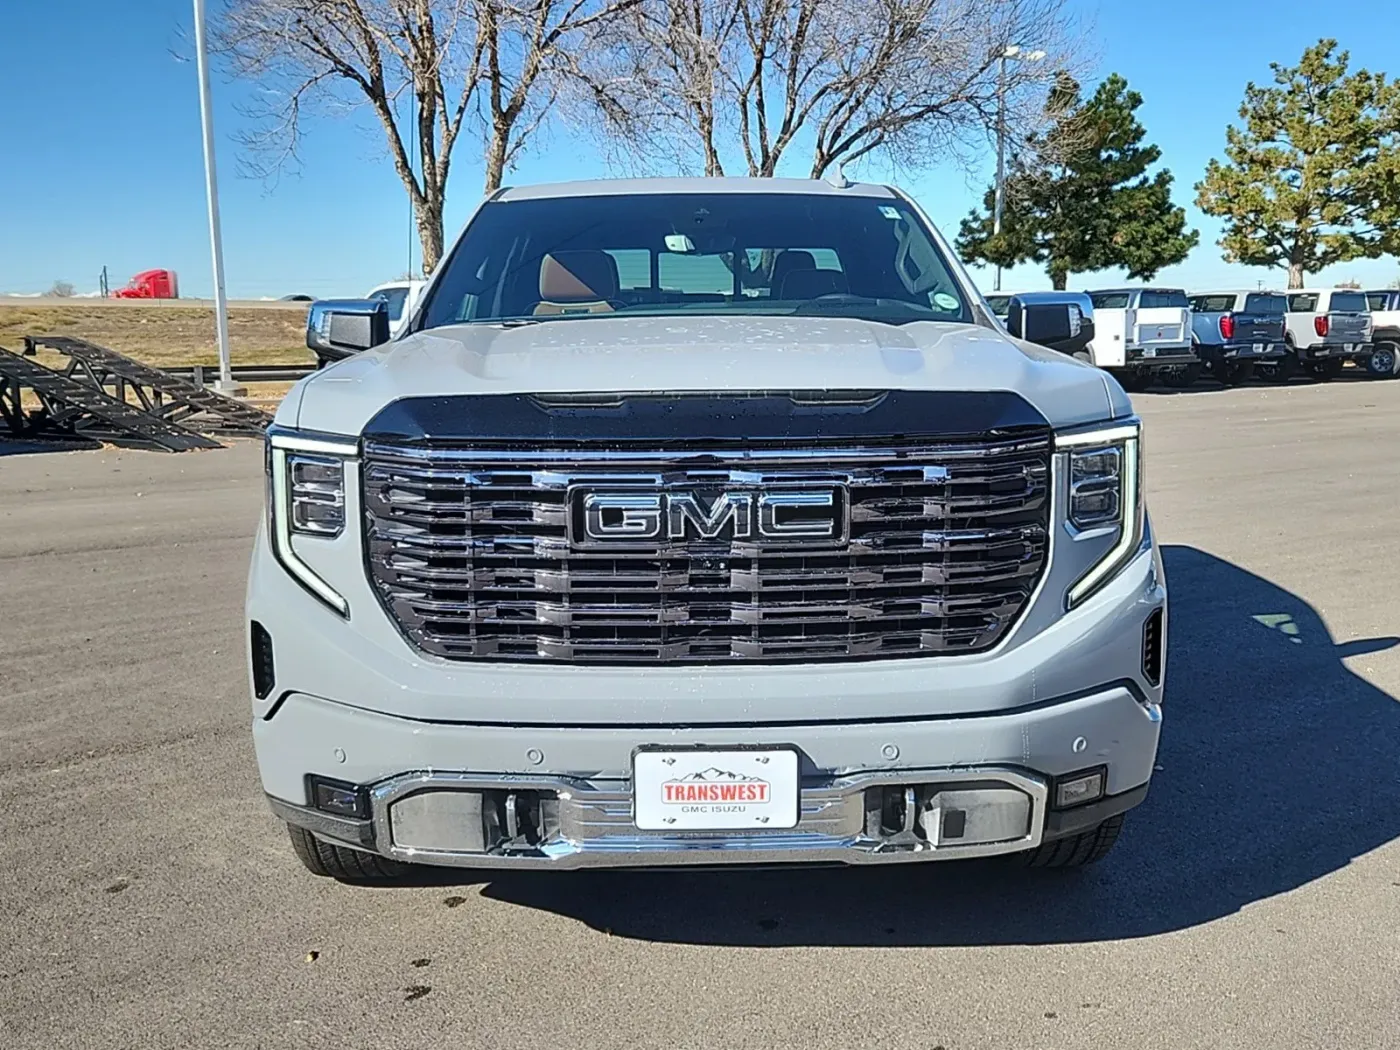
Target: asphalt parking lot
150, 900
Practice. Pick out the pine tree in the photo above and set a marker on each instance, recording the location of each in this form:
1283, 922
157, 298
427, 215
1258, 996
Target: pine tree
1086, 203
1313, 176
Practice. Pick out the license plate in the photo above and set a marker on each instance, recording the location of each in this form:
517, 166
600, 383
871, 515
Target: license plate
1150, 351
1258, 348
695, 790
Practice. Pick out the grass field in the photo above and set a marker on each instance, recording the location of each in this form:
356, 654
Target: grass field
167, 335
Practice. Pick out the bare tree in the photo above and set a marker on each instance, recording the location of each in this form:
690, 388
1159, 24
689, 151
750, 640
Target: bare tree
910, 80
61, 290
657, 79
494, 62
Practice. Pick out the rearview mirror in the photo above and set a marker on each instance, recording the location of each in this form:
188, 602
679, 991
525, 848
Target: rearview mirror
337, 328
1062, 321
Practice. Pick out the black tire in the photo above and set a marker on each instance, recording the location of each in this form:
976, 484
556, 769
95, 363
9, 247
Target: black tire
1279, 369
1328, 368
1237, 373
338, 862
1384, 362
1185, 376
1077, 850
1134, 380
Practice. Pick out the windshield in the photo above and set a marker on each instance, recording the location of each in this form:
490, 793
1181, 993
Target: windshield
1214, 304
395, 297
681, 254
1155, 298
1110, 300
1348, 302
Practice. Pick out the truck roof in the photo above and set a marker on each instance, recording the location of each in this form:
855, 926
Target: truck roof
728, 184
1136, 288
1238, 291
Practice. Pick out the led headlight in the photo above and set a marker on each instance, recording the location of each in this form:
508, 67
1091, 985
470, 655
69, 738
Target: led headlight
1105, 492
306, 497
1095, 486
317, 494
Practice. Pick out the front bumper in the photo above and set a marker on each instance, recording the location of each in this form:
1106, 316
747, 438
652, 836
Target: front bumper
456, 817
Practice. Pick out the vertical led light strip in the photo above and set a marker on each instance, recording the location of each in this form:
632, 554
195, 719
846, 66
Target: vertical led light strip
1131, 530
1128, 536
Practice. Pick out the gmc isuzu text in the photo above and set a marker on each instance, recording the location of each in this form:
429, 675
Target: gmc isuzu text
698, 522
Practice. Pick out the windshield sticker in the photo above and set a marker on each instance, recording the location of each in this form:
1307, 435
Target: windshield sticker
888, 212
946, 301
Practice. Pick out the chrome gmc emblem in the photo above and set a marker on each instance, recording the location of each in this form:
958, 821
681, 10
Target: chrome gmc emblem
780, 516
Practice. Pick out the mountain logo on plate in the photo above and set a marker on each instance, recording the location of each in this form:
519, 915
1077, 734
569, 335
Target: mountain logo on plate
714, 785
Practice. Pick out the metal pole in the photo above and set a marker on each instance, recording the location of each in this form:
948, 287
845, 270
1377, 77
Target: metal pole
1001, 156
225, 382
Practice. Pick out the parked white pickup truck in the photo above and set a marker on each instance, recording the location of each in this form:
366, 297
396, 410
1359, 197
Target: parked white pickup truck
402, 297
1326, 328
1384, 361
1141, 333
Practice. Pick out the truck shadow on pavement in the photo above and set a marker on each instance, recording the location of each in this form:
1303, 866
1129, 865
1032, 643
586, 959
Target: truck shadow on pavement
1277, 767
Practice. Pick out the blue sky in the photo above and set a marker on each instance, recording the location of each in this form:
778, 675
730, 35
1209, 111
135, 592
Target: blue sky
102, 165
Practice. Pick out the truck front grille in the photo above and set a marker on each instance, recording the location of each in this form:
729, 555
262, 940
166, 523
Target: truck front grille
928, 549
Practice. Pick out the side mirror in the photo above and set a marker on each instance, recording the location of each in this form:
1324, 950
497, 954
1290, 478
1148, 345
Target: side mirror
1058, 325
337, 328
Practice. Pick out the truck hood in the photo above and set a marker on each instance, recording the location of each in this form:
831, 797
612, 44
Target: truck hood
636, 354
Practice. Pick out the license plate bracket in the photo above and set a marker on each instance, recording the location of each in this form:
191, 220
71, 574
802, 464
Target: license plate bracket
715, 789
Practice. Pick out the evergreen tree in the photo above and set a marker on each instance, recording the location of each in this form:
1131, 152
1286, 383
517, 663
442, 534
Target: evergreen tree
1086, 201
1313, 176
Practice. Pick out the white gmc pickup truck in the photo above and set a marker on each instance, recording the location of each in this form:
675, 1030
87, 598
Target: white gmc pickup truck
1326, 328
703, 521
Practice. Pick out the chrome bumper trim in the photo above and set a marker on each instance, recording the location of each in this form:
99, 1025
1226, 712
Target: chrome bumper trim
591, 827
345, 831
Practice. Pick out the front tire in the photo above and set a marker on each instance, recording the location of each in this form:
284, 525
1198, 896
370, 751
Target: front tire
339, 862
1077, 850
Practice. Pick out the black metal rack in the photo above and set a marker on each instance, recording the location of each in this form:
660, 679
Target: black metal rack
161, 394
73, 408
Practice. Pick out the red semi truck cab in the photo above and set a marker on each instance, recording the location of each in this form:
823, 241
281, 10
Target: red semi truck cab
151, 284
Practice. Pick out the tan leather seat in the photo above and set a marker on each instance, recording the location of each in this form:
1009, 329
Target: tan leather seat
577, 282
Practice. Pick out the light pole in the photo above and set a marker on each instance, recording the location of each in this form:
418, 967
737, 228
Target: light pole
225, 383
1010, 51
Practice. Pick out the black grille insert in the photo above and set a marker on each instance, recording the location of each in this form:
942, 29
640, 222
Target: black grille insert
1152, 648
264, 676
472, 552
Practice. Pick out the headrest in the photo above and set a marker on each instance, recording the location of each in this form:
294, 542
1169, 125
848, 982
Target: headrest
578, 277
786, 262
808, 284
